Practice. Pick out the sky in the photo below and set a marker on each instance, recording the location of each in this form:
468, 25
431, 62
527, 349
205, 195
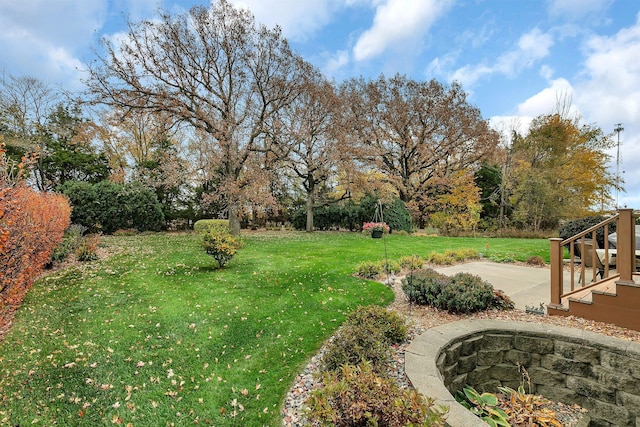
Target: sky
516, 59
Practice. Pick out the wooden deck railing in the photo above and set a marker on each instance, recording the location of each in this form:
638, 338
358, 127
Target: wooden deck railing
625, 256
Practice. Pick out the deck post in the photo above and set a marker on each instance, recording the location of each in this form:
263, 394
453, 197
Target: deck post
556, 270
626, 246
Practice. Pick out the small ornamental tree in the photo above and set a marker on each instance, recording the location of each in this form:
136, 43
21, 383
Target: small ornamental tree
218, 242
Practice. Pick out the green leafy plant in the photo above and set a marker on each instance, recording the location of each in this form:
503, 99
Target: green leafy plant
70, 241
483, 405
370, 269
424, 286
204, 224
366, 335
465, 293
461, 293
218, 242
358, 396
388, 324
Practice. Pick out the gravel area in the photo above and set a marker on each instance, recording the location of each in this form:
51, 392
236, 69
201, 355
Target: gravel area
421, 318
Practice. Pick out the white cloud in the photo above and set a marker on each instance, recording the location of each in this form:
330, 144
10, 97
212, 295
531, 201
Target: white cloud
610, 83
335, 62
573, 10
41, 38
298, 19
546, 101
609, 93
396, 24
531, 47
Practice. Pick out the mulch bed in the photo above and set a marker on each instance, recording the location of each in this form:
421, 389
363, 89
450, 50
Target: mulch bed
421, 318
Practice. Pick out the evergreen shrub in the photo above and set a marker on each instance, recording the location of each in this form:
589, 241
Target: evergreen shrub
366, 335
571, 228
203, 224
106, 206
423, 287
461, 293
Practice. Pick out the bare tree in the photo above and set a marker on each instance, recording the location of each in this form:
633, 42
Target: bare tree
307, 138
417, 133
214, 69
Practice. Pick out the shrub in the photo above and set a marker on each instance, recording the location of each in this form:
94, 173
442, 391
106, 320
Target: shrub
32, 224
357, 396
438, 258
397, 215
366, 335
71, 240
203, 224
452, 256
462, 293
106, 206
370, 269
218, 242
501, 301
536, 260
424, 286
465, 293
571, 228
375, 269
88, 248
388, 323
355, 344
411, 262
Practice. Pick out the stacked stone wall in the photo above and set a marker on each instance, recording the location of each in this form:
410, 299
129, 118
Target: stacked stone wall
599, 373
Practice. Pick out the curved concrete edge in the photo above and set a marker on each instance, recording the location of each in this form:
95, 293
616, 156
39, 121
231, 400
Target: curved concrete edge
422, 355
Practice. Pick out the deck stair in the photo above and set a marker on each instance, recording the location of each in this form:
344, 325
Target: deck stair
613, 299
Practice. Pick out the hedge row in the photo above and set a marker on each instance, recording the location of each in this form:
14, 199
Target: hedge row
32, 224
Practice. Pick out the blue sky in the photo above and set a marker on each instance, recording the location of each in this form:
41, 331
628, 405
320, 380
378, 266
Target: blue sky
514, 58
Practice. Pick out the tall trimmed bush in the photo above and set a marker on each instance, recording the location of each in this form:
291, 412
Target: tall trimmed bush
571, 228
32, 224
106, 206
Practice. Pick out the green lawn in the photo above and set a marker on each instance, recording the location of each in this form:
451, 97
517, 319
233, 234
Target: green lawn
155, 336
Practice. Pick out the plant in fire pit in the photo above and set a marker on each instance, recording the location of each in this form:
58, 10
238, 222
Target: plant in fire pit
375, 229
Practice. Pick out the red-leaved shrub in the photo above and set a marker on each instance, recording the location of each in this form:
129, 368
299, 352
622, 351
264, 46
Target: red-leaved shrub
32, 224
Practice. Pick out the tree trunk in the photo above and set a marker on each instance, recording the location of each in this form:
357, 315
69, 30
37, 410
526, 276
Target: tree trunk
234, 221
310, 203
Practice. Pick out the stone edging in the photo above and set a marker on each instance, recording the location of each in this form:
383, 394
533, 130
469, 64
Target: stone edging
435, 347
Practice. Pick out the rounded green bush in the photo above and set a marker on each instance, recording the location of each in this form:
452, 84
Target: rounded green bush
423, 287
366, 335
204, 224
465, 293
388, 323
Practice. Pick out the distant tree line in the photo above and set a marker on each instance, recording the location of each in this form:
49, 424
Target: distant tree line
209, 114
